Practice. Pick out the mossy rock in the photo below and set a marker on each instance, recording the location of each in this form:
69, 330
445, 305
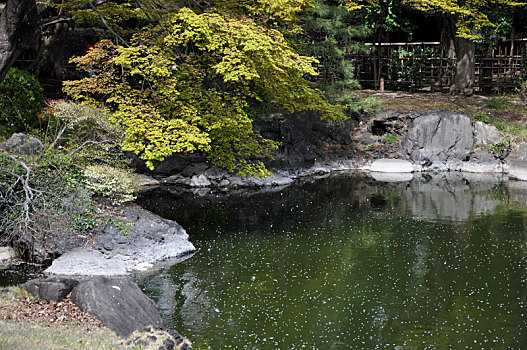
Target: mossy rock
157, 339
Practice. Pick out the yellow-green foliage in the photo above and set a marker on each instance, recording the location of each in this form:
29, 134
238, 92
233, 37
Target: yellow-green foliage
187, 86
118, 185
470, 14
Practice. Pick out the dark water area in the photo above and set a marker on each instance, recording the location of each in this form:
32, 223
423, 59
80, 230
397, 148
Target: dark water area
18, 274
349, 262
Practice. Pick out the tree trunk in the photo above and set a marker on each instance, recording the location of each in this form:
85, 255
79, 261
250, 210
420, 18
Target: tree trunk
465, 52
49, 61
465, 67
18, 24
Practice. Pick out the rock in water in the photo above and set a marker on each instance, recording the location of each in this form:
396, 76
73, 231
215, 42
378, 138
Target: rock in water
118, 303
22, 144
150, 240
439, 140
50, 289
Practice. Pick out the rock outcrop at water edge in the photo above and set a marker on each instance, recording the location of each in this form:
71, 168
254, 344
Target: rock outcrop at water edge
136, 243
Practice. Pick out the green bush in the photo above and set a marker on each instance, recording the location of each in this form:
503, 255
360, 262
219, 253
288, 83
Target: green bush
118, 185
20, 100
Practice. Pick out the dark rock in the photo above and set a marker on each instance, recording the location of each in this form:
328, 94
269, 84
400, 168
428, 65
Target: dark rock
441, 139
305, 141
151, 338
50, 289
118, 303
22, 144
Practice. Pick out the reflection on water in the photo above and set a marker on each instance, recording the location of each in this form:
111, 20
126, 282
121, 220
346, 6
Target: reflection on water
349, 262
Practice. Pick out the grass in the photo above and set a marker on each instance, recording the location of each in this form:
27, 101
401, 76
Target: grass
390, 139
15, 335
39, 335
509, 128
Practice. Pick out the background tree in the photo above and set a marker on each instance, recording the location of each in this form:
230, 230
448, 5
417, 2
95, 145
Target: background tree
462, 22
331, 34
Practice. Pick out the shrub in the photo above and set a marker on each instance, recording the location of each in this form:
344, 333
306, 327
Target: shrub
40, 200
85, 133
20, 100
480, 117
500, 148
355, 104
118, 185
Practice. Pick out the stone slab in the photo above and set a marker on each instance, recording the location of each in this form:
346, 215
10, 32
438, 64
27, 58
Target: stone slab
391, 166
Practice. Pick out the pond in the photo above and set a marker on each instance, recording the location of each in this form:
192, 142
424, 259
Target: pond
350, 262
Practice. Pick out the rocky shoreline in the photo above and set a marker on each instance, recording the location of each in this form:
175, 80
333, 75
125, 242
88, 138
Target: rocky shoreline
435, 141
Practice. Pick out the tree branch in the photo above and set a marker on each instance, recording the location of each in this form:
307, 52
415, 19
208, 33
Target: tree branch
94, 8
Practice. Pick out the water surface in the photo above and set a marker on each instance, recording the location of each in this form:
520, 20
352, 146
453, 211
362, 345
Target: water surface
350, 262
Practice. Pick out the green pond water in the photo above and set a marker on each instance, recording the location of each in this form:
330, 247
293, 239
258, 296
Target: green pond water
346, 261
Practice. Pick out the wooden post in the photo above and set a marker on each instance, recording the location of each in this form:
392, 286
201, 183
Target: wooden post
382, 84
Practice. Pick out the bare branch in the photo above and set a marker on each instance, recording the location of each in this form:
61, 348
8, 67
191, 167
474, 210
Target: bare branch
94, 8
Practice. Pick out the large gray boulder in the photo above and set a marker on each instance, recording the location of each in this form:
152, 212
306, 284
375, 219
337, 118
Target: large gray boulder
50, 289
518, 169
439, 140
136, 244
118, 303
22, 144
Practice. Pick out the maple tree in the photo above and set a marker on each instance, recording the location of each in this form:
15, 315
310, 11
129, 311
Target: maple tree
191, 84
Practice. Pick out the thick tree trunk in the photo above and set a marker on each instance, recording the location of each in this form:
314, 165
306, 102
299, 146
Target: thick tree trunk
465, 67
18, 24
465, 51
49, 61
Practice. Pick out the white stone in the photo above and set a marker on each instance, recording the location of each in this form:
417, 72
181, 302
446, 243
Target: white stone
199, 181
391, 166
392, 177
7, 253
